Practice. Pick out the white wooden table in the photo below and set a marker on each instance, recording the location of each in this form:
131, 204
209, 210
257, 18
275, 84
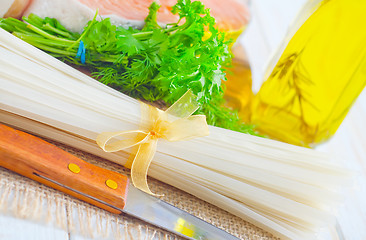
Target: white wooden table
269, 25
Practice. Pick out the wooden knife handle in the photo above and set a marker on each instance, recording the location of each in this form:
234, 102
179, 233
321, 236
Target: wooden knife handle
43, 162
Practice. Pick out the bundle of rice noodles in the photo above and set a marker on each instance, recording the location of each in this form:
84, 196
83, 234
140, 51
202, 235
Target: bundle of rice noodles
287, 190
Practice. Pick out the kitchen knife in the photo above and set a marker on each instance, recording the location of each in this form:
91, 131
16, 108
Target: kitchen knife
43, 162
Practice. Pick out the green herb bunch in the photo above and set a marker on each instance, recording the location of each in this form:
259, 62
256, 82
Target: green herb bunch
154, 63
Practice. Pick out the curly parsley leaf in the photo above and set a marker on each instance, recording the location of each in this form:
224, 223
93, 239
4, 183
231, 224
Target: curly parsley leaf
151, 19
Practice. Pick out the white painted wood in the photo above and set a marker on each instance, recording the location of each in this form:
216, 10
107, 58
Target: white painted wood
19, 229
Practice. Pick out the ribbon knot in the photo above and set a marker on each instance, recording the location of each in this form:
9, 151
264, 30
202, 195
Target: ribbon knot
175, 124
155, 134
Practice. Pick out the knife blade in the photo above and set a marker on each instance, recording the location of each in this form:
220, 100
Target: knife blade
41, 161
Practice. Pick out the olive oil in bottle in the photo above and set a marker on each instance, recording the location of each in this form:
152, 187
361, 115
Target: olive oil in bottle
317, 78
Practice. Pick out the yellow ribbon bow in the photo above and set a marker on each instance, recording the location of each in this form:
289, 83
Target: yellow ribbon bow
175, 124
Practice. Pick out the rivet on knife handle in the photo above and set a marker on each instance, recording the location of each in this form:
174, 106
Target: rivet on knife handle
48, 164
74, 168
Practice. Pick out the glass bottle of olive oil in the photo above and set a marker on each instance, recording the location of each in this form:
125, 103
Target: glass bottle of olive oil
238, 87
318, 76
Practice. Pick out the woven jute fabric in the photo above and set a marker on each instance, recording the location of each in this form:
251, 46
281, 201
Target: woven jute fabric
28, 199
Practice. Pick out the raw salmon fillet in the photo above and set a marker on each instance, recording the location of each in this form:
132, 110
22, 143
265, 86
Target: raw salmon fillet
74, 14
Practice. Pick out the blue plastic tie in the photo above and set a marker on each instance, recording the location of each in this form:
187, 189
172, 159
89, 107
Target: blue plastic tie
81, 52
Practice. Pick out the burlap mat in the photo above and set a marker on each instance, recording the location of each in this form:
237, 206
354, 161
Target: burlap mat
28, 199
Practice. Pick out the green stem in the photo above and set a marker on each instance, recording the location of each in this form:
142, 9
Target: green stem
49, 46
111, 58
56, 30
147, 34
47, 35
142, 34
51, 49
10, 24
171, 29
34, 20
45, 41
85, 31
